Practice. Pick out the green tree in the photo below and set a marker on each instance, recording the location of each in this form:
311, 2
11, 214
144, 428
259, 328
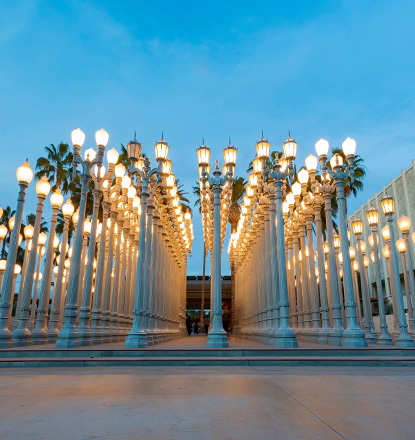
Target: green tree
57, 166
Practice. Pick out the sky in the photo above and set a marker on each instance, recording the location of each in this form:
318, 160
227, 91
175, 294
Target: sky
209, 70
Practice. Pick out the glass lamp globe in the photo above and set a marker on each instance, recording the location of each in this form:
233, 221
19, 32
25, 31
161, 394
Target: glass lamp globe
78, 137
257, 165
337, 242
262, 148
303, 176
112, 156
126, 182
67, 264
90, 154
357, 226
42, 187
11, 223
404, 223
24, 173
55, 269
289, 148
101, 171
290, 199
326, 247
161, 150
28, 231
322, 147
42, 239
386, 233
372, 216
75, 217
68, 208
55, 242
401, 245
17, 269
101, 137
296, 189
3, 232
3, 264
349, 147
352, 252
388, 205
229, 155
366, 261
203, 155
56, 198
119, 170
131, 192
336, 161
363, 246
253, 180
355, 266
311, 162
283, 162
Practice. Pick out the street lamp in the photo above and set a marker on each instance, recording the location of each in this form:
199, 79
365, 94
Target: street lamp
24, 176
22, 335
69, 334
357, 226
404, 340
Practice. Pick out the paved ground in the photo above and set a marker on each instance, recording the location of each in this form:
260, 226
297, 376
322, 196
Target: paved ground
207, 403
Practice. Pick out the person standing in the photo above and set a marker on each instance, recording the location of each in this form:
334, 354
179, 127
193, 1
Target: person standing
189, 324
206, 324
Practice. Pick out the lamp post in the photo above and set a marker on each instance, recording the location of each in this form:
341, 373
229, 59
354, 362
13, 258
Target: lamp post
403, 340
24, 176
404, 224
39, 334
353, 336
53, 331
22, 335
327, 189
140, 167
217, 337
401, 246
69, 334
357, 226
372, 217
38, 276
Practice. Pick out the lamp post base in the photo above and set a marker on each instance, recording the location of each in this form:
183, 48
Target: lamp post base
136, 340
39, 337
22, 338
324, 336
336, 337
405, 342
217, 339
286, 338
354, 338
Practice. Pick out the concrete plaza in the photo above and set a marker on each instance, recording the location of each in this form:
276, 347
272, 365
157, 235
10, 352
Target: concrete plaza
207, 403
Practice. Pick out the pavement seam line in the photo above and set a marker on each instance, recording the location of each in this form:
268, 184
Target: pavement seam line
302, 404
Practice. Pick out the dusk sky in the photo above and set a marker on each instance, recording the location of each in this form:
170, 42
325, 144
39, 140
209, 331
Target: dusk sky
216, 70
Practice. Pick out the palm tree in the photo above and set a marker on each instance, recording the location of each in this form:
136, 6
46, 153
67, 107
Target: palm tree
57, 166
238, 191
30, 220
8, 213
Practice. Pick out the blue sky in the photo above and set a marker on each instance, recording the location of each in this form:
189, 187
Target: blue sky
191, 69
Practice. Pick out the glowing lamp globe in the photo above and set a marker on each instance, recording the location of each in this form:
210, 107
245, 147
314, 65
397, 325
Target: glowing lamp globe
283, 163
229, 155
203, 155
112, 156
366, 261
28, 232
90, 154
75, 217
3, 231
101, 171
322, 147
11, 223
352, 252
87, 226
24, 173
290, 199
337, 242
355, 266
311, 162
119, 170
385, 252
253, 180
101, 137
166, 167
3, 264
401, 246
55, 242
289, 148
161, 150
257, 165
42, 239
372, 216
78, 137
388, 205
336, 161
131, 192
56, 199
262, 149
126, 182
357, 226
349, 147
404, 223
303, 176
386, 233
42, 187
17, 269
296, 189
68, 208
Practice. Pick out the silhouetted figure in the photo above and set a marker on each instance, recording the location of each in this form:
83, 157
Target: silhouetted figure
189, 324
206, 324
226, 319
